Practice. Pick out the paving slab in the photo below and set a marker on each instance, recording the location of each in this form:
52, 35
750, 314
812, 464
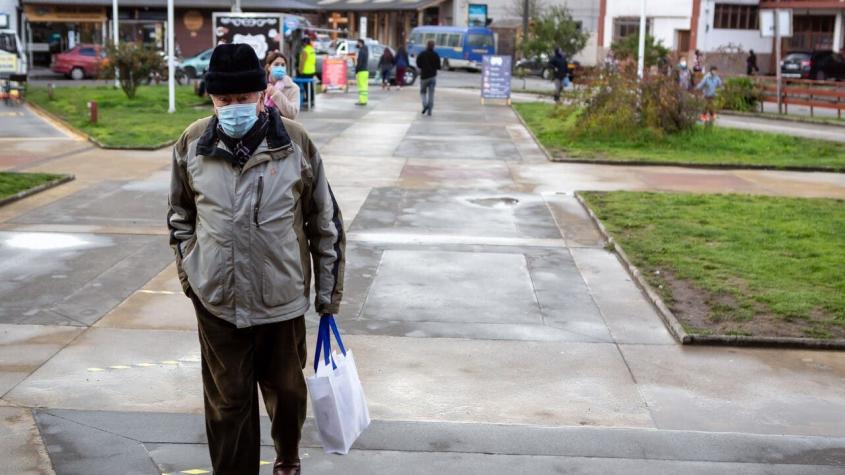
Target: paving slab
741, 390
436, 173
73, 279
24, 348
21, 445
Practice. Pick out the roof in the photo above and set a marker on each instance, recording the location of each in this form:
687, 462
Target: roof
372, 5
223, 5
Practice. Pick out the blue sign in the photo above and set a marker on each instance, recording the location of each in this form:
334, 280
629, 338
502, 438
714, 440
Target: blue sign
476, 14
495, 77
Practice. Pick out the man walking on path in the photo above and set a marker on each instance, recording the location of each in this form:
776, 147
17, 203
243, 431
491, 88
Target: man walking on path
250, 208
710, 85
751, 63
560, 66
362, 73
428, 62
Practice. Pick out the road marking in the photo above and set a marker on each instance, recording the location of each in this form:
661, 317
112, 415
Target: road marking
195, 471
95, 370
119, 366
158, 292
170, 362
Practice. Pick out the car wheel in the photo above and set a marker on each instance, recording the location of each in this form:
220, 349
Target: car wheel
546, 74
77, 74
410, 77
820, 76
190, 72
446, 65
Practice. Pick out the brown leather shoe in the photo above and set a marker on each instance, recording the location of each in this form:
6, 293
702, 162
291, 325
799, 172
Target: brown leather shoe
286, 468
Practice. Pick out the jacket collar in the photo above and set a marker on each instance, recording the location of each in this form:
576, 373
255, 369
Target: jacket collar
277, 136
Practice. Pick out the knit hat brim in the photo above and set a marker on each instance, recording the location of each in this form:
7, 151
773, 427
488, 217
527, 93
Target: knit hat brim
237, 82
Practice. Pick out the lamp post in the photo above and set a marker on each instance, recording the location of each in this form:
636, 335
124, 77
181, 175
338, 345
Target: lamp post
171, 60
115, 35
641, 52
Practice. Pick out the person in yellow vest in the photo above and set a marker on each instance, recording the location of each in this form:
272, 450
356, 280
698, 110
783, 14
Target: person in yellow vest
308, 67
362, 73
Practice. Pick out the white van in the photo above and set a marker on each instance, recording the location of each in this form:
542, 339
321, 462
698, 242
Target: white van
12, 58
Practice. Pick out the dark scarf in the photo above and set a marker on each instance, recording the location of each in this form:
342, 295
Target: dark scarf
242, 149
273, 130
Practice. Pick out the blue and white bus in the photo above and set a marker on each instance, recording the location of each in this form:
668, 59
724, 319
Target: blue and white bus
458, 47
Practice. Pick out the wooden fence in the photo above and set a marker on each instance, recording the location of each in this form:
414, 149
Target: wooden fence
805, 92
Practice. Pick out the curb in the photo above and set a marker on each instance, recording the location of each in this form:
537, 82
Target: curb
637, 163
784, 118
677, 329
31, 191
41, 110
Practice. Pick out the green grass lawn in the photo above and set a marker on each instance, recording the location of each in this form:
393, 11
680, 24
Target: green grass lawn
12, 183
703, 146
736, 264
141, 122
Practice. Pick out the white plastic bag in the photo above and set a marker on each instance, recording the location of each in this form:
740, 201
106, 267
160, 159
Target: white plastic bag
337, 397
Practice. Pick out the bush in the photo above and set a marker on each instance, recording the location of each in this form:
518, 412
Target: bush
739, 94
628, 48
134, 62
618, 105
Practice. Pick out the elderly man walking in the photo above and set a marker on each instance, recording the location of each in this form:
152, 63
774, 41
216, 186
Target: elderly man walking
250, 208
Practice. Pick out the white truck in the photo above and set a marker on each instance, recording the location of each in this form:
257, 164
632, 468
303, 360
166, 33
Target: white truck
12, 58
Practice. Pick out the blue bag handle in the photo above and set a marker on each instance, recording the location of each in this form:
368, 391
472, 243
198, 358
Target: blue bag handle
327, 324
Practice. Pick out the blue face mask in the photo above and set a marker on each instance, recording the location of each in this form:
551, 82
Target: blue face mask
237, 119
278, 72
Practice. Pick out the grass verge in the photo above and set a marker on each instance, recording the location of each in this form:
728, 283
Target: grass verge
714, 146
13, 183
736, 264
142, 122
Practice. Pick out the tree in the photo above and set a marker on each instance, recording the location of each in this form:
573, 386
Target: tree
554, 27
628, 48
134, 63
516, 8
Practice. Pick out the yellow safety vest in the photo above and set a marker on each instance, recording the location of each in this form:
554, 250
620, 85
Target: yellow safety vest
309, 66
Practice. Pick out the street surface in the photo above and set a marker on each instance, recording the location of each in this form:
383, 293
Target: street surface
492, 330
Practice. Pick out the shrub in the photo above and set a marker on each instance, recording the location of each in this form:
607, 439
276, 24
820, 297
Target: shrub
628, 48
134, 63
739, 94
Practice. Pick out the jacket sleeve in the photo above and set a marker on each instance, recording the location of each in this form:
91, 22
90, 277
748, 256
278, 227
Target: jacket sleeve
287, 100
326, 238
182, 212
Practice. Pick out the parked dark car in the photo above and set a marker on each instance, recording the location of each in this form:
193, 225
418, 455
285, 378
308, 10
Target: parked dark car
819, 65
539, 66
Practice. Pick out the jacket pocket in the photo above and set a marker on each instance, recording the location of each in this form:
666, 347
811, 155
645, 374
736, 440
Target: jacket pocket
281, 280
203, 265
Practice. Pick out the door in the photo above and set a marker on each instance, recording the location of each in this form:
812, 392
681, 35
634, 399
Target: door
682, 41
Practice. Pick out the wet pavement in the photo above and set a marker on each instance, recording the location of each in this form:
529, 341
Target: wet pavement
490, 326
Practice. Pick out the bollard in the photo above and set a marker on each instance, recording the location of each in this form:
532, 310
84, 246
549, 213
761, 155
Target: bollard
50, 91
92, 110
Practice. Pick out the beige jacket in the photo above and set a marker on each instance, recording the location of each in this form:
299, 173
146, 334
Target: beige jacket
285, 97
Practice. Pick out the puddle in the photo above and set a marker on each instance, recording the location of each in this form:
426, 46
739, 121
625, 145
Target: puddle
499, 202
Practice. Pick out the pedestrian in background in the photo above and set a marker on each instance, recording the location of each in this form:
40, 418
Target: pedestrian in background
250, 209
684, 75
385, 66
362, 73
281, 92
428, 62
751, 64
402, 63
308, 67
560, 72
710, 85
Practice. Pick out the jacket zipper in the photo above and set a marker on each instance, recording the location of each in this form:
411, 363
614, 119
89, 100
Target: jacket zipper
258, 201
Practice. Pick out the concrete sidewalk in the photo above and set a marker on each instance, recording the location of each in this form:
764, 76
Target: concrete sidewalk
491, 328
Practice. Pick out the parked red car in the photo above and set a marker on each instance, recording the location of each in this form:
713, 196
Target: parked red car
80, 62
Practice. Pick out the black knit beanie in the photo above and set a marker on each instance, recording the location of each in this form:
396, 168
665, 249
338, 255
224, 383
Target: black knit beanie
234, 69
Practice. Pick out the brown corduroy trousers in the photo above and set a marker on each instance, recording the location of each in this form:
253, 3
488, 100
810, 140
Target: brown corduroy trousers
235, 361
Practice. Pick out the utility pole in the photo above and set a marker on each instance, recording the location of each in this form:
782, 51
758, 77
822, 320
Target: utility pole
778, 73
641, 53
236, 7
115, 34
171, 59
525, 8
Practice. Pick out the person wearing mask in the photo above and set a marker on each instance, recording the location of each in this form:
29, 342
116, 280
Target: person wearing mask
250, 209
709, 86
281, 92
751, 63
362, 73
402, 63
560, 72
428, 62
684, 75
385, 66
308, 67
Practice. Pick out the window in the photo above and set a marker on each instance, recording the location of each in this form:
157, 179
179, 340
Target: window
454, 40
87, 52
442, 39
736, 17
428, 37
8, 43
416, 38
479, 41
624, 27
